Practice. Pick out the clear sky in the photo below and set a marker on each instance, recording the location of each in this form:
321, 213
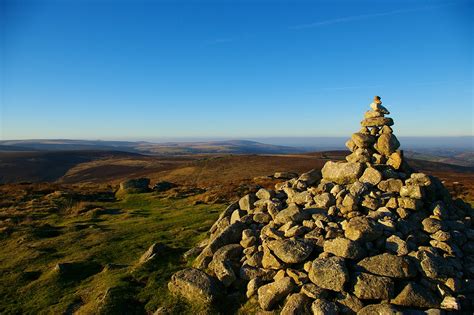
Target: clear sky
238, 69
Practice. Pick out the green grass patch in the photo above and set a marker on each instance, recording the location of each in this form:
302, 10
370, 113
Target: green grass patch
101, 250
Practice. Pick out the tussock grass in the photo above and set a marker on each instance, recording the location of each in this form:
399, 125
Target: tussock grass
103, 249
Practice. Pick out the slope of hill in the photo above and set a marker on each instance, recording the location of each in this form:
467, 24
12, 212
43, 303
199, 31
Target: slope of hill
47, 165
167, 148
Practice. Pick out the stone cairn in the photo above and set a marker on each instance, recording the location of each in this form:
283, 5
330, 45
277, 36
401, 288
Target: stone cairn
368, 235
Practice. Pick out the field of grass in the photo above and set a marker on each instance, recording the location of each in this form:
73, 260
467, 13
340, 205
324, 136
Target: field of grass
99, 250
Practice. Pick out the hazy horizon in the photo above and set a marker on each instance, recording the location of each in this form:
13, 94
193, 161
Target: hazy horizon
414, 142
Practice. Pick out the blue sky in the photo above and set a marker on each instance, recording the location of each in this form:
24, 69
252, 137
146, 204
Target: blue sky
235, 69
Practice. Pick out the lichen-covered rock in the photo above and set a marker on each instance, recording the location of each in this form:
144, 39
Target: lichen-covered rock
371, 287
362, 229
324, 307
342, 173
377, 122
415, 295
246, 203
135, 186
195, 285
388, 265
272, 293
297, 304
291, 251
371, 176
362, 140
387, 144
345, 248
222, 264
379, 309
291, 214
329, 273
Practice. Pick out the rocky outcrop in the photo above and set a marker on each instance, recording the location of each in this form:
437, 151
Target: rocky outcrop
135, 186
369, 235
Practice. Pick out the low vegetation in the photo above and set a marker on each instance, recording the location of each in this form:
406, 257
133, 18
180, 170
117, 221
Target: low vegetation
66, 255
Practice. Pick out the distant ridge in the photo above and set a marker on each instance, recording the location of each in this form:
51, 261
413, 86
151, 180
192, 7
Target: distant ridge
143, 147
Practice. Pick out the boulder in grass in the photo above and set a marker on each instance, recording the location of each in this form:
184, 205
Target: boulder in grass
135, 186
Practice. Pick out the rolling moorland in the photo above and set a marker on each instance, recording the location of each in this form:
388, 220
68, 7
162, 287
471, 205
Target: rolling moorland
78, 242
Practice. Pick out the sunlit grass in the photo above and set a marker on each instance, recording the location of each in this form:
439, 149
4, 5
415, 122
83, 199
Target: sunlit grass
113, 238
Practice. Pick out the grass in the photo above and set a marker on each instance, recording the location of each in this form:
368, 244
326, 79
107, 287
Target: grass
103, 248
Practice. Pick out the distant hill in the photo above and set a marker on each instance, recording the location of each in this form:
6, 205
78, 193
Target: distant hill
39, 166
168, 148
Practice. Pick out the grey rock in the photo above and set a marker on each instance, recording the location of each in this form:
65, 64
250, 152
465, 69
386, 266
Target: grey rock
313, 291
377, 122
379, 309
195, 286
415, 295
247, 201
345, 248
412, 191
390, 185
265, 194
324, 307
388, 265
371, 287
291, 214
324, 200
329, 273
396, 245
310, 177
342, 173
362, 140
362, 229
387, 144
291, 251
135, 186
222, 264
297, 304
270, 294
371, 176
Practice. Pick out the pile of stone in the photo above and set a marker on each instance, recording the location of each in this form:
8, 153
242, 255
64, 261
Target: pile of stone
368, 235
